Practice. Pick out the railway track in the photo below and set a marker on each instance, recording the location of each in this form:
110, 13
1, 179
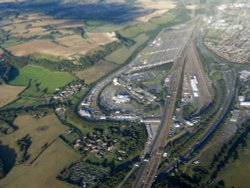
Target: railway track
149, 170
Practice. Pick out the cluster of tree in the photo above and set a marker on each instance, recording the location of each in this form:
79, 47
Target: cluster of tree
2, 169
178, 180
24, 144
243, 88
3, 36
128, 42
183, 180
83, 173
7, 71
113, 180
189, 110
7, 159
7, 127
96, 56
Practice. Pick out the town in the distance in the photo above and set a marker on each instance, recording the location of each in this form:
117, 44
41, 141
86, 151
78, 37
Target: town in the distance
124, 93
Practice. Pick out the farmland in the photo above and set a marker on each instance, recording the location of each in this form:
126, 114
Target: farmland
33, 146
64, 46
60, 35
99, 70
9, 93
122, 54
33, 33
42, 131
44, 170
137, 29
41, 80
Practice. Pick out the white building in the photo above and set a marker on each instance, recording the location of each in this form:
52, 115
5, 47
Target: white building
194, 85
244, 75
189, 123
84, 113
121, 99
115, 81
241, 98
245, 104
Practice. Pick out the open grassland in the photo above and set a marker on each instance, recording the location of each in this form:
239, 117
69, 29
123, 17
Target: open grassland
42, 131
43, 172
122, 54
9, 93
237, 174
42, 81
95, 72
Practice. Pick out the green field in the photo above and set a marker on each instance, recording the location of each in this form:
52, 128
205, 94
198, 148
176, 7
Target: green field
26, 101
122, 54
166, 18
237, 173
139, 28
135, 30
12, 42
41, 80
213, 34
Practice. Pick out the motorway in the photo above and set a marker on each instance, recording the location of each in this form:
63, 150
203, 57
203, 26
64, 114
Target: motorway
148, 170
